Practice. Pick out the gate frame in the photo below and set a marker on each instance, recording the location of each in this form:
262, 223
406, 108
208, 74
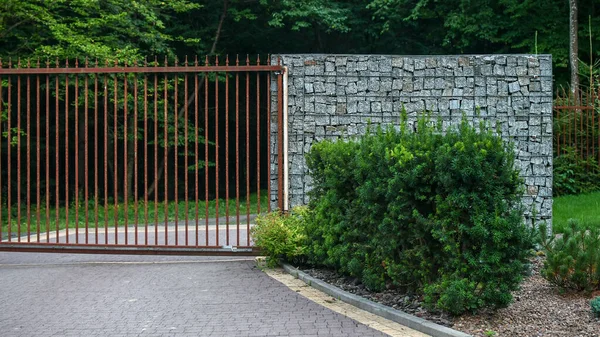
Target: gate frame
145, 249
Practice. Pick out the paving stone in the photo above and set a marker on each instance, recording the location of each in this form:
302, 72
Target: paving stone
87, 295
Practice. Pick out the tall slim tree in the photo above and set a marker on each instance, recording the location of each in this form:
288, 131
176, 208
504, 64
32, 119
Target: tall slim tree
573, 46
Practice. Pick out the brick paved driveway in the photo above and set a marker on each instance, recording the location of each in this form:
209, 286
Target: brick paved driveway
107, 295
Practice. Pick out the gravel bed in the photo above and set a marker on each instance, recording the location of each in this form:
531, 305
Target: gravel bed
539, 309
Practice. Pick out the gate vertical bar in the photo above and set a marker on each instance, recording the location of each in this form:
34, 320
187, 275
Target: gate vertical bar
28, 152
19, 154
185, 136
206, 149
581, 145
115, 163
9, 156
47, 153
76, 154
237, 150
166, 182
587, 132
566, 124
85, 153
196, 141
135, 155
593, 99
257, 142
96, 220
125, 156
247, 153
557, 111
217, 153
227, 152
176, 158
596, 147
38, 156
571, 122
67, 155
155, 154
105, 156
146, 142
578, 114
57, 140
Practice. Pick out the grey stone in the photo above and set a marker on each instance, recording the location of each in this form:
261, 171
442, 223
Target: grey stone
499, 70
419, 64
521, 71
514, 87
308, 88
460, 82
351, 89
373, 84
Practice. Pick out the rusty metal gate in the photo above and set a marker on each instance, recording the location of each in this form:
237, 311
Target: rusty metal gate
576, 125
152, 158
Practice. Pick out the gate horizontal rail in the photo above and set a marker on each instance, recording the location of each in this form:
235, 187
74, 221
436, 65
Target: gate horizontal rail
150, 159
138, 70
129, 250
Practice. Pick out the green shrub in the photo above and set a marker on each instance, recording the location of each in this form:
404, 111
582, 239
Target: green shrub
595, 304
453, 296
424, 211
574, 175
572, 258
281, 236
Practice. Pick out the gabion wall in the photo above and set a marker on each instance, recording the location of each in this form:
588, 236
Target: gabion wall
333, 96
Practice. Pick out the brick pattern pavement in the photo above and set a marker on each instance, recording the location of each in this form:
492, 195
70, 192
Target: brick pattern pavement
201, 297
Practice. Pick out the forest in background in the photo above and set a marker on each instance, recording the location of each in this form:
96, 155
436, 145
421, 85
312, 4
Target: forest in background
132, 30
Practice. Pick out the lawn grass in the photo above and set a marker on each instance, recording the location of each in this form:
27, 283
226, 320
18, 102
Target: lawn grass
123, 213
585, 208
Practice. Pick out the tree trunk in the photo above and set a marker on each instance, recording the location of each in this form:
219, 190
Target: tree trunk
573, 48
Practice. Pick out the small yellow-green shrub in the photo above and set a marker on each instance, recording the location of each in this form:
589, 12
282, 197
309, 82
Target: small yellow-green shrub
281, 236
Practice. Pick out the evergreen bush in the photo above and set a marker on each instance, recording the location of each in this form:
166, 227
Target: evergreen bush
431, 212
595, 304
572, 258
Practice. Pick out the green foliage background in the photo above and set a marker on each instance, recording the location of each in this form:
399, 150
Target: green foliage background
130, 30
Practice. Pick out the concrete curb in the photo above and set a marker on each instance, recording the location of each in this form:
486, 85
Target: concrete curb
397, 316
